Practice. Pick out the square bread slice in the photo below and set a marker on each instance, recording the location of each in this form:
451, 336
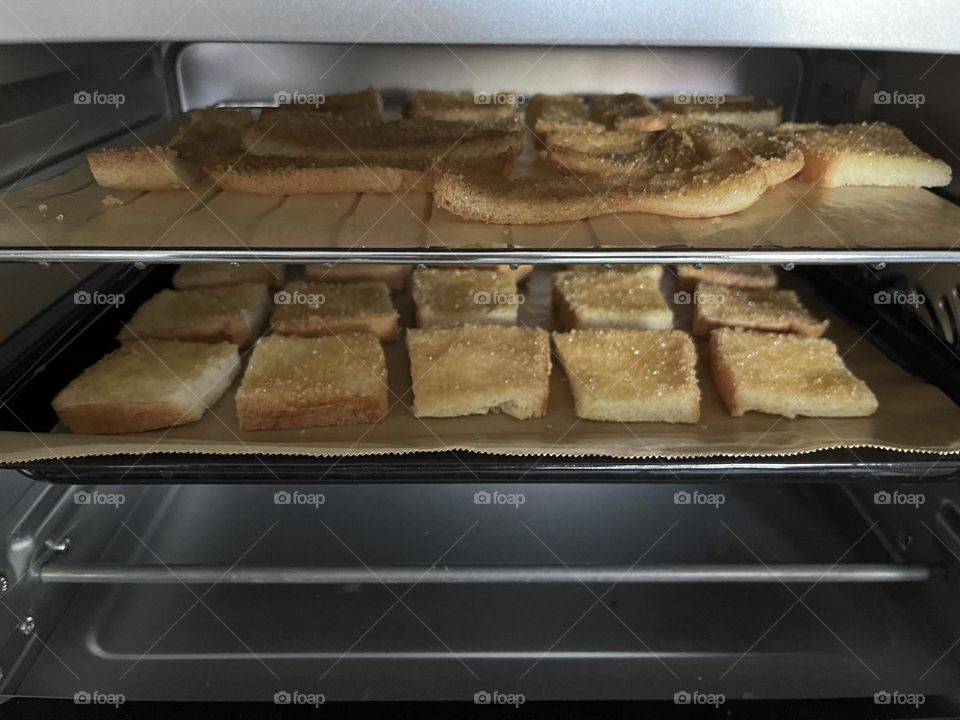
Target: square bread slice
147, 385
318, 309
295, 382
235, 314
464, 107
139, 168
192, 276
476, 369
760, 309
393, 276
864, 154
745, 275
785, 375
624, 299
631, 375
445, 297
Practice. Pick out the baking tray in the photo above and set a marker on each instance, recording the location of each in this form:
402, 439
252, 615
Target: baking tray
70, 218
48, 352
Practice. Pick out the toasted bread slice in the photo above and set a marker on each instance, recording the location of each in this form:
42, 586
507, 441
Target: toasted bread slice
393, 276
139, 168
864, 154
777, 154
627, 111
743, 276
192, 276
297, 382
590, 299
390, 144
785, 375
650, 273
676, 178
745, 110
461, 107
476, 369
305, 176
235, 314
363, 106
547, 113
631, 375
581, 150
445, 297
318, 309
147, 385
760, 309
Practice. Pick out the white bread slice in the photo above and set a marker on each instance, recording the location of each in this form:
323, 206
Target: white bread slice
192, 276
139, 168
745, 111
546, 113
147, 385
785, 375
234, 313
743, 275
631, 375
627, 111
864, 154
623, 299
295, 382
362, 106
758, 308
452, 296
476, 369
462, 107
318, 309
674, 176
393, 276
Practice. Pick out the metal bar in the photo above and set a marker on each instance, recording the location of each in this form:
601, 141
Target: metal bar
447, 256
463, 574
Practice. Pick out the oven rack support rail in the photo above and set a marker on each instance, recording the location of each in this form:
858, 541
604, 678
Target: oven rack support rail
116, 573
786, 257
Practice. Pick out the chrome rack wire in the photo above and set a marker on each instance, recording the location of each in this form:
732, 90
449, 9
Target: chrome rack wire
111, 573
474, 256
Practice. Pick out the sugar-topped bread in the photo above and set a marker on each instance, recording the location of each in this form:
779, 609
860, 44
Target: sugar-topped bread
760, 309
317, 309
785, 375
586, 298
445, 297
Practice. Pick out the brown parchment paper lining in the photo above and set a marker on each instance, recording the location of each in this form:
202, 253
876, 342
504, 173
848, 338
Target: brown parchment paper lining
913, 416
69, 212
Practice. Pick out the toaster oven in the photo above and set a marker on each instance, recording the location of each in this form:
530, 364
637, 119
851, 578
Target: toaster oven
149, 579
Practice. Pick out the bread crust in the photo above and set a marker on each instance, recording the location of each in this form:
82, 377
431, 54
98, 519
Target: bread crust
385, 327
393, 276
139, 168
116, 418
271, 413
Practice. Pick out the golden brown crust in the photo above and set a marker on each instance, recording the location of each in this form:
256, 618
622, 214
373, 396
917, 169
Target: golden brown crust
139, 168
268, 413
393, 276
115, 418
385, 327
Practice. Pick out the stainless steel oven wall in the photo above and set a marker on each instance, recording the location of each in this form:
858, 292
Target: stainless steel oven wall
211, 73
